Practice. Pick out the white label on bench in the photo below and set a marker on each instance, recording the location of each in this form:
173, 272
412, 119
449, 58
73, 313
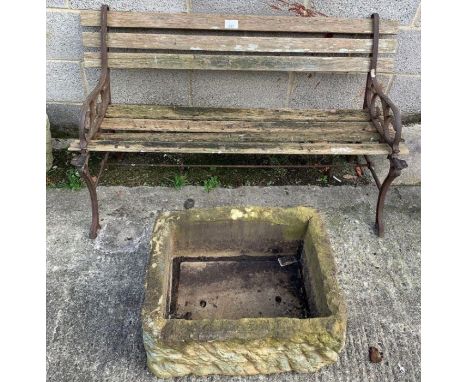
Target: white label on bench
231, 24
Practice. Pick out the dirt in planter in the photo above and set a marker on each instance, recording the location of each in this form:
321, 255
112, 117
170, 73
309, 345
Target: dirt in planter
234, 288
135, 169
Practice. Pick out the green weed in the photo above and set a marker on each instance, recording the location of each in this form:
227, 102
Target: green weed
211, 183
73, 179
323, 179
179, 181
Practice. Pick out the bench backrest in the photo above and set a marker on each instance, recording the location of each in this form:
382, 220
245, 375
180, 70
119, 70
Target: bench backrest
238, 42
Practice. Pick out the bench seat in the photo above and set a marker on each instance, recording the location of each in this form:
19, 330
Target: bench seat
174, 129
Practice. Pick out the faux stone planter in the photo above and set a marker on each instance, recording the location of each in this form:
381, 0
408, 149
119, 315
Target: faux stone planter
241, 291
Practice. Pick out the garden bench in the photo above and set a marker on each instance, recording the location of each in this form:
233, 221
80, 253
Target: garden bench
235, 42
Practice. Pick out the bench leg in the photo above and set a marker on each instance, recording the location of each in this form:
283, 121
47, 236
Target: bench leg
81, 162
90, 183
396, 165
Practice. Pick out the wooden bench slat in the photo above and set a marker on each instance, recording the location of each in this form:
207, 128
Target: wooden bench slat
156, 112
245, 23
165, 125
238, 43
240, 147
272, 136
235, 62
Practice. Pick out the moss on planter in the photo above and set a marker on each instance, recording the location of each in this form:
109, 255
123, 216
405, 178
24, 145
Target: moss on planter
247, 346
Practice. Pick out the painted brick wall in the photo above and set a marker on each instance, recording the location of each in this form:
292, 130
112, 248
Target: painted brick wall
68, 82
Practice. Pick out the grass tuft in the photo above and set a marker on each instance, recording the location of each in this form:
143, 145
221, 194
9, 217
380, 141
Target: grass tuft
211, 183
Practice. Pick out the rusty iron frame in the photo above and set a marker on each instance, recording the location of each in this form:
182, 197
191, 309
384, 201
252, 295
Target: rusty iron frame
184, 165
387, 121
91, 115
370, 166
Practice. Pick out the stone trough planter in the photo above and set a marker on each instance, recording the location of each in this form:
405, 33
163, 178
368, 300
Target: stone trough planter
241, 291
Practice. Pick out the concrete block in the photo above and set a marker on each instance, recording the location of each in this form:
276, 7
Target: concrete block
64, 119
239, 89
330, 90
402, 10
417, 19
129, 5
56, 4
150, 86
49, 156
406, 93
64, 82
249, 7
408, 58
412, 174
64, 36
411, 118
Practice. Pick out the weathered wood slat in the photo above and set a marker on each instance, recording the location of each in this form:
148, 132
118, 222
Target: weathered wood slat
240, 148
272, 136
186, 126
229, 114
238, 43
244, 22
234, 62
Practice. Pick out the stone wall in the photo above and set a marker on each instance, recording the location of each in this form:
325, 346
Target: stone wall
68, 82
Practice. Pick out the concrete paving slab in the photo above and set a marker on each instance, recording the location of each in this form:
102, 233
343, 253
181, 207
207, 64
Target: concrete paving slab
95, 288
